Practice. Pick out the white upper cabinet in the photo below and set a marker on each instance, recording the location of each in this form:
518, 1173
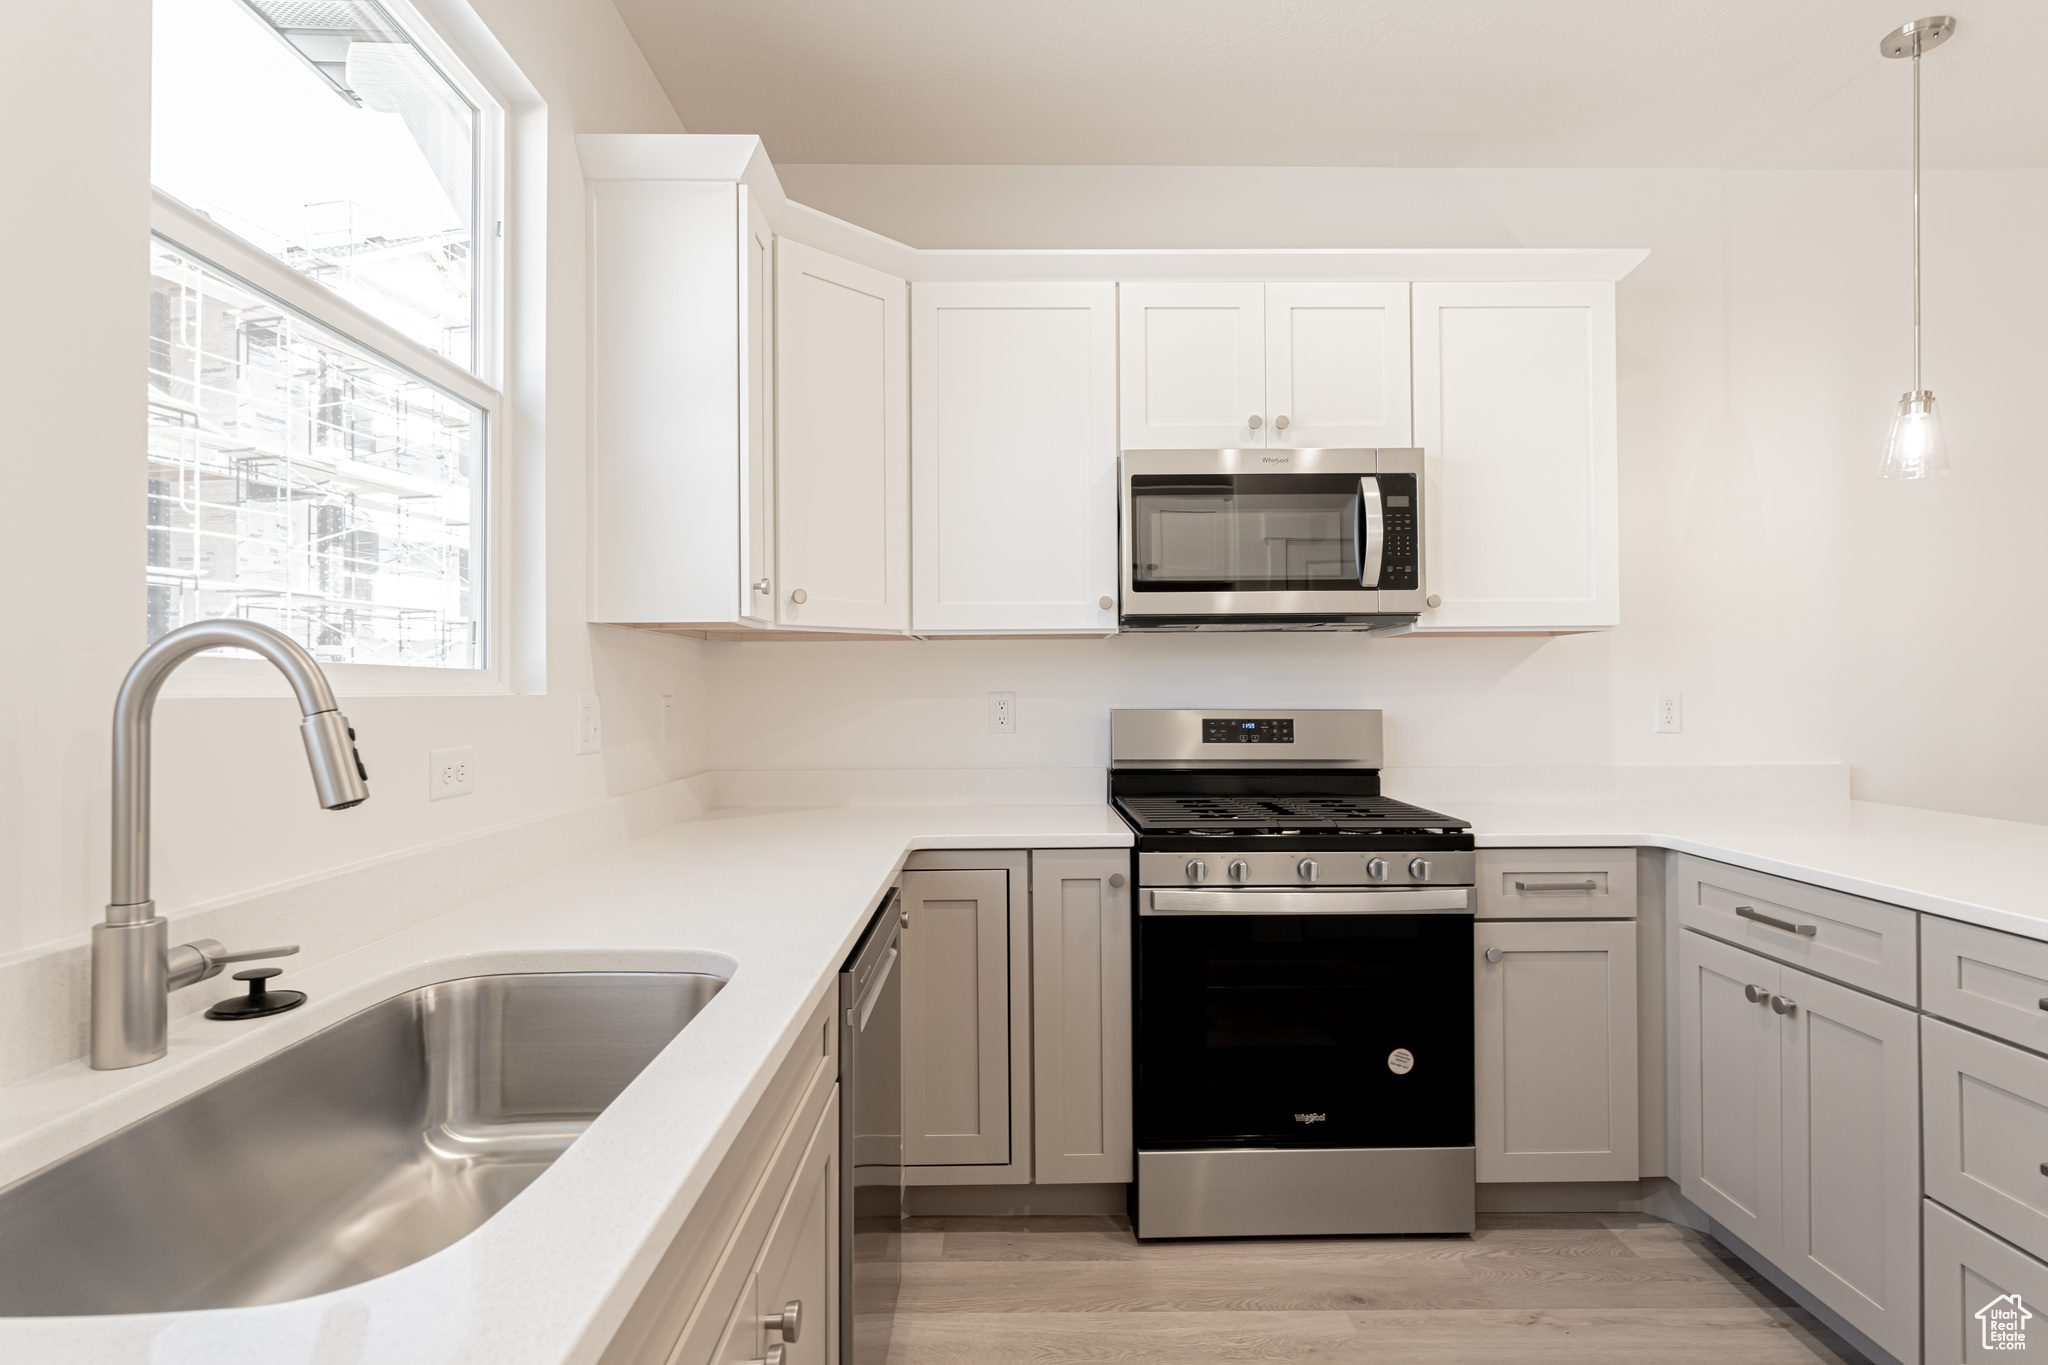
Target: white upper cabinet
757, 412
1336, 366
1194, 366
1298, 365
1013, 457
842, 444
1514, 412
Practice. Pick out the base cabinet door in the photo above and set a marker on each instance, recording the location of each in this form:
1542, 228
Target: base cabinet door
796, 1288
956, 1018
1556, 1069
1013, 457
1729, 1100
1081, 1018
1981, 1294
842, 443
1850, 1231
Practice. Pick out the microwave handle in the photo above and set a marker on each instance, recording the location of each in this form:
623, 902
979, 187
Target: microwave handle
1372, 524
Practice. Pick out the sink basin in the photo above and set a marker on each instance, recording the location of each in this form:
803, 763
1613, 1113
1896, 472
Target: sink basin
351, 1154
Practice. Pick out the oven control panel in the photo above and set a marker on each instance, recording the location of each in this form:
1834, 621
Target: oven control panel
1228, 731
1224, 868
1400, 555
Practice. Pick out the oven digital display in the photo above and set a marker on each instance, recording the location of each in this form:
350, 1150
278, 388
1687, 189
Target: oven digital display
1247, 731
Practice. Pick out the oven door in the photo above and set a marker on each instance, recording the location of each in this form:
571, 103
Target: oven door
1304, 1019
1259, 533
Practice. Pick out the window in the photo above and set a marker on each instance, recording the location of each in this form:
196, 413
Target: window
320, 420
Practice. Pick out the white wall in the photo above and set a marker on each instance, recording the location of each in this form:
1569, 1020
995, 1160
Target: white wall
234, 811
1807, 610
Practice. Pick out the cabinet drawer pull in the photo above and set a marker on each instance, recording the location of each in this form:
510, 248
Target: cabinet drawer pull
1749, 912
2044, 1168
776, 1355
1588, 885
1783, 1004
2044, 1002
1756, 995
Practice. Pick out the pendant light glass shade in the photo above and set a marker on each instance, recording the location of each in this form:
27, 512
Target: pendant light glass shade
1916, 448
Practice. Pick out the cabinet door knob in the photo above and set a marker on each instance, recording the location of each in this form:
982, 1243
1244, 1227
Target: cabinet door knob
789, 1322
1756, 995
1493, 954
1433, 600
799, 597
761, 586
1783, 1004
1106, 602
1255, 421
1279, 424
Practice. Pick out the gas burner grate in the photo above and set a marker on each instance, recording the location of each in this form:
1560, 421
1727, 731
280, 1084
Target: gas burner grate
1252, 814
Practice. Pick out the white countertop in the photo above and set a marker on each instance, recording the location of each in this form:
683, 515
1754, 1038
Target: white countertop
1988, 872
775, 899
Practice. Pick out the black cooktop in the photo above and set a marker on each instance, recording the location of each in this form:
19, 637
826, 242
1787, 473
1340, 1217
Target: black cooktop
1191, 813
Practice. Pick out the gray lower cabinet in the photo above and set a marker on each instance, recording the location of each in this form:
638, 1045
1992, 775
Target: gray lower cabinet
1556, 1059
1081, 1030
1799, 1114
966, 1019
1983, 1295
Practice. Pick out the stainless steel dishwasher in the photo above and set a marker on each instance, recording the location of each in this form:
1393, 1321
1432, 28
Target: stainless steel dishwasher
871, 1139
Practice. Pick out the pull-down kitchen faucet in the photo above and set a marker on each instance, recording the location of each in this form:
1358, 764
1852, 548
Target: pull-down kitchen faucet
134, 969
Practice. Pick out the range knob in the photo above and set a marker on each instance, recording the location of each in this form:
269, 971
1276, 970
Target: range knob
1198, 871
1238, 870
1377, 869
1307, 869
1419, 869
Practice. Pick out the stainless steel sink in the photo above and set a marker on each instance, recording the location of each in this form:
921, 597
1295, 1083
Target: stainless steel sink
358, 1151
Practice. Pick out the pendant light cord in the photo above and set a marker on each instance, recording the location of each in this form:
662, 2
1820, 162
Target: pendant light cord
1916, 213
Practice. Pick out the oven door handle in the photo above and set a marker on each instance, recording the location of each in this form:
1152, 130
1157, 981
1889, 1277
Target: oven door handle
1445, 900
1372, 528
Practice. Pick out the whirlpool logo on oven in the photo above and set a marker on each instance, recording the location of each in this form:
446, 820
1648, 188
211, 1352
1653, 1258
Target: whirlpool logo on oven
1311, 1118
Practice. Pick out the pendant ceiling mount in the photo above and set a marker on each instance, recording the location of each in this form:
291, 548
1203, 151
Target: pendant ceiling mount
1922, 35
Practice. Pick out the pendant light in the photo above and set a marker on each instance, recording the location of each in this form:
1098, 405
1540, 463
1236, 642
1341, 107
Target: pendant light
1915, 448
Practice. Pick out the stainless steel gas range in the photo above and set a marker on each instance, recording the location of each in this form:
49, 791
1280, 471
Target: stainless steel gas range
1304, 980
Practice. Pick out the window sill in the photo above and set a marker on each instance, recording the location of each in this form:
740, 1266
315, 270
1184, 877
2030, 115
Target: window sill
222, 677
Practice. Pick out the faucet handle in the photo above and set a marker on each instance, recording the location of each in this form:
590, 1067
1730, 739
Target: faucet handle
202, 959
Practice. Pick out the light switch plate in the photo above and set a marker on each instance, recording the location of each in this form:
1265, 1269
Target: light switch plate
450, 773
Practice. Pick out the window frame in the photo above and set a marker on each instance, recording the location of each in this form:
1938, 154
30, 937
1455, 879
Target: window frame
233, 255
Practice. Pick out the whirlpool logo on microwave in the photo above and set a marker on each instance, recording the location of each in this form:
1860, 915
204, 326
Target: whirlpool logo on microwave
1276, 459
1311, 1118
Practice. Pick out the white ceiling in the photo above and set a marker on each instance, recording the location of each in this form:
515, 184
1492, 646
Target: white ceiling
1643, 83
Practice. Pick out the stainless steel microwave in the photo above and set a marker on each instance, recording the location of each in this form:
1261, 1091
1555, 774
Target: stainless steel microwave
1272, 539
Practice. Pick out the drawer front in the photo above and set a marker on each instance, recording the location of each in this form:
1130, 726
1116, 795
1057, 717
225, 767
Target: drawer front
1985, 1110
1865, 943
1988, 980
1557, 883
1970, 1272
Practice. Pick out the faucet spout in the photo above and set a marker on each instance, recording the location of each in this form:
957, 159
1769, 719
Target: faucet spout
130, 976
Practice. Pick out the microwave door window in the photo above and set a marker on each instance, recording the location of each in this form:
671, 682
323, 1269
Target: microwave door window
1185, 537
1308, 545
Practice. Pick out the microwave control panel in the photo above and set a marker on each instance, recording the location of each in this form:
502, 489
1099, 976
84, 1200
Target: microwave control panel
1400, 555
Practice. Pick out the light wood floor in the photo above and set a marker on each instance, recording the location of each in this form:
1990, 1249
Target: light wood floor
1537, 1287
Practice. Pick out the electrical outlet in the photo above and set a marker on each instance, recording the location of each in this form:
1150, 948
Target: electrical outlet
450, 773
668, 718
1002, 713
1670, 712
589, 725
